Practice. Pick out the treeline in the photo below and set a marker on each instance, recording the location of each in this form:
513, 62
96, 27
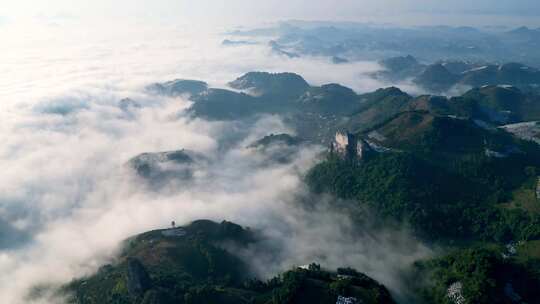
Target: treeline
443, 199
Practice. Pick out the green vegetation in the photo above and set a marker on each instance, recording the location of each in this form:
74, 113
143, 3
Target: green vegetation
377, 107
490, 100
330, 99
317, 112
222, 104
188, 265
447, 171
271, 84
439, 179
484, 275
436, 78
314, 285
524, 198
277, 139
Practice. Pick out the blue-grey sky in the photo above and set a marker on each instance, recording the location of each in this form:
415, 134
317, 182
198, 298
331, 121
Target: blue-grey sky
81, 57
249, 11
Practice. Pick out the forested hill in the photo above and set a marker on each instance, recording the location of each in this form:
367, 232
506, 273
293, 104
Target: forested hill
317, 112
189, 265
462, 172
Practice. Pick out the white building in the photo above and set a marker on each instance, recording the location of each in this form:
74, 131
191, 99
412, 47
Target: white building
347, 300
455, 293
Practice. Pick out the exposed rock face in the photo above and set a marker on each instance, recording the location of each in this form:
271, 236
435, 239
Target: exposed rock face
343, 143
364, 149
137, 279
455, 293
350, 147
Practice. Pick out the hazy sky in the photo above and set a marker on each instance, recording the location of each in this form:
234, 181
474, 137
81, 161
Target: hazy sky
65, 139
249, 11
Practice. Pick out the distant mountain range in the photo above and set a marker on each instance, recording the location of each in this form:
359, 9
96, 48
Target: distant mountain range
318, 112
358, 41
444, 75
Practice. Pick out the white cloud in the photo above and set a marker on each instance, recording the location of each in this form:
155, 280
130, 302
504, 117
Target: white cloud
246, 11
65, 143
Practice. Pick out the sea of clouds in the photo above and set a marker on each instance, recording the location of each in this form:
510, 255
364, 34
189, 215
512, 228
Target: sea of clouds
67, 199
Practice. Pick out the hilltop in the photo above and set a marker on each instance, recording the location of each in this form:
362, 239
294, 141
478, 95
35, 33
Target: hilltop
418, 159
316, 113
191, 265
451, 169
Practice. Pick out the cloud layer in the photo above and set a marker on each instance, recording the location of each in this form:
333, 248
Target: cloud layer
67, 198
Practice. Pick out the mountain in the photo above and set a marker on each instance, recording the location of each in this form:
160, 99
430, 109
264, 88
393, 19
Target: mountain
317, 113
128, 104
310, 110
498, 277
280, 50
168, 264
280, 148
449, 169
276, 139
524, 34
507, 74
504, 104
329, 99
274, 84
440, 77
422, 159
445, 74
220, 104
489, 106
401, 63
425, 131
179, 87
436, 78
160, 167
458, 66
458, 106
376, 107
190, 265
361, 41
400, 68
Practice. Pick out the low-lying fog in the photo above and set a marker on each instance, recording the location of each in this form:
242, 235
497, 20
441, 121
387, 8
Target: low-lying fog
67, 198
